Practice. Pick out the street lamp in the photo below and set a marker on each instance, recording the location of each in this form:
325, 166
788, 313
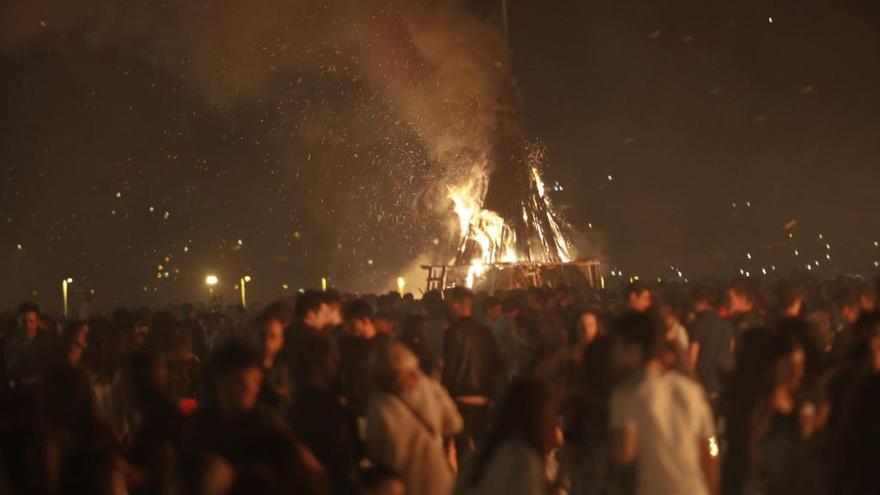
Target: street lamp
64, 283
242, 283
211, 281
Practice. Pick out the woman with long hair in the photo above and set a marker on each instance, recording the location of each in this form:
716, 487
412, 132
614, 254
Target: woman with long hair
511, 461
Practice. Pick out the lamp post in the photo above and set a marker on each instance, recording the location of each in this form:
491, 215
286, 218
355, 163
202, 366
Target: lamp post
242, 283
64, 283
211, 281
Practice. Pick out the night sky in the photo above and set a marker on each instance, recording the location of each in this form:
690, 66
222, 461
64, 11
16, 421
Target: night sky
294, 140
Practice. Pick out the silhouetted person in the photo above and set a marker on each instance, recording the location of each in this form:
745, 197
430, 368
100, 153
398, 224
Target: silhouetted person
29, 352
471, 369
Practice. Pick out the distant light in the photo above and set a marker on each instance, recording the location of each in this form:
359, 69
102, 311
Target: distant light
370, 262
679, 275
285, 286
770, 20
185, 249
828, 256
748, 204
69, 280
19, 247
589, 225
211, 280
151, 209
749, 255
827, 246
773, 267
820, 236
764, 271
748, 274
796, 253
876, 243
790, 235
809, 266
240, 242
742, 272
247, 278
610, 178
118, 194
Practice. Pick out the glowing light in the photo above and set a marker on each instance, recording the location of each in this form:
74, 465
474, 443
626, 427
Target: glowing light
796, 253
749, 255
247, 278
19, 247
285, 286
610, 178
401, 284
713, 447
770, 20
763, 271
211, 280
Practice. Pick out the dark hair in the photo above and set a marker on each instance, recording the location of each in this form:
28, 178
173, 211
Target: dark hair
27, 307
310, 300
231, 357
704, 293
511, 303
743, 287
847, 296
459, 294
358, 310
635, 287
644, 330
490, 302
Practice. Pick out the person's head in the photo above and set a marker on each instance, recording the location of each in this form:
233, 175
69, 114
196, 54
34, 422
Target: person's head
189, 311
141, 331
703, 298
669, 318
29, 318
587, 326
282, 311
640, 339
492, 309
76, 331
396, 369
270, 330
847, 302
638, 297
236, 375
791, 298
359, 319
312, 310
511, 306
381, 481
867, 299
536, 300
741, 296
384, 322
461, 302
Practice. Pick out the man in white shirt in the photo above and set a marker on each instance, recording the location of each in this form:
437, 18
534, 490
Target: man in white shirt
410, 420
661, 418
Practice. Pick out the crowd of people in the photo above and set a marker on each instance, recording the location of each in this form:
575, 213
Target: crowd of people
739, 388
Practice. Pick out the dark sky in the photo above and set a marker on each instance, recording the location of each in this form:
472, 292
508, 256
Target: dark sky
691, 107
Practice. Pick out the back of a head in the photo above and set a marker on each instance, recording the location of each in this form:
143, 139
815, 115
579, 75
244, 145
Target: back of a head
460, 294
745, 288
232, 357
704, 294
643, 330
391, 360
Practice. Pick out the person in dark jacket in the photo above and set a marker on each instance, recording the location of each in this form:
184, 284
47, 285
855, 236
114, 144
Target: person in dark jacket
471, 368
